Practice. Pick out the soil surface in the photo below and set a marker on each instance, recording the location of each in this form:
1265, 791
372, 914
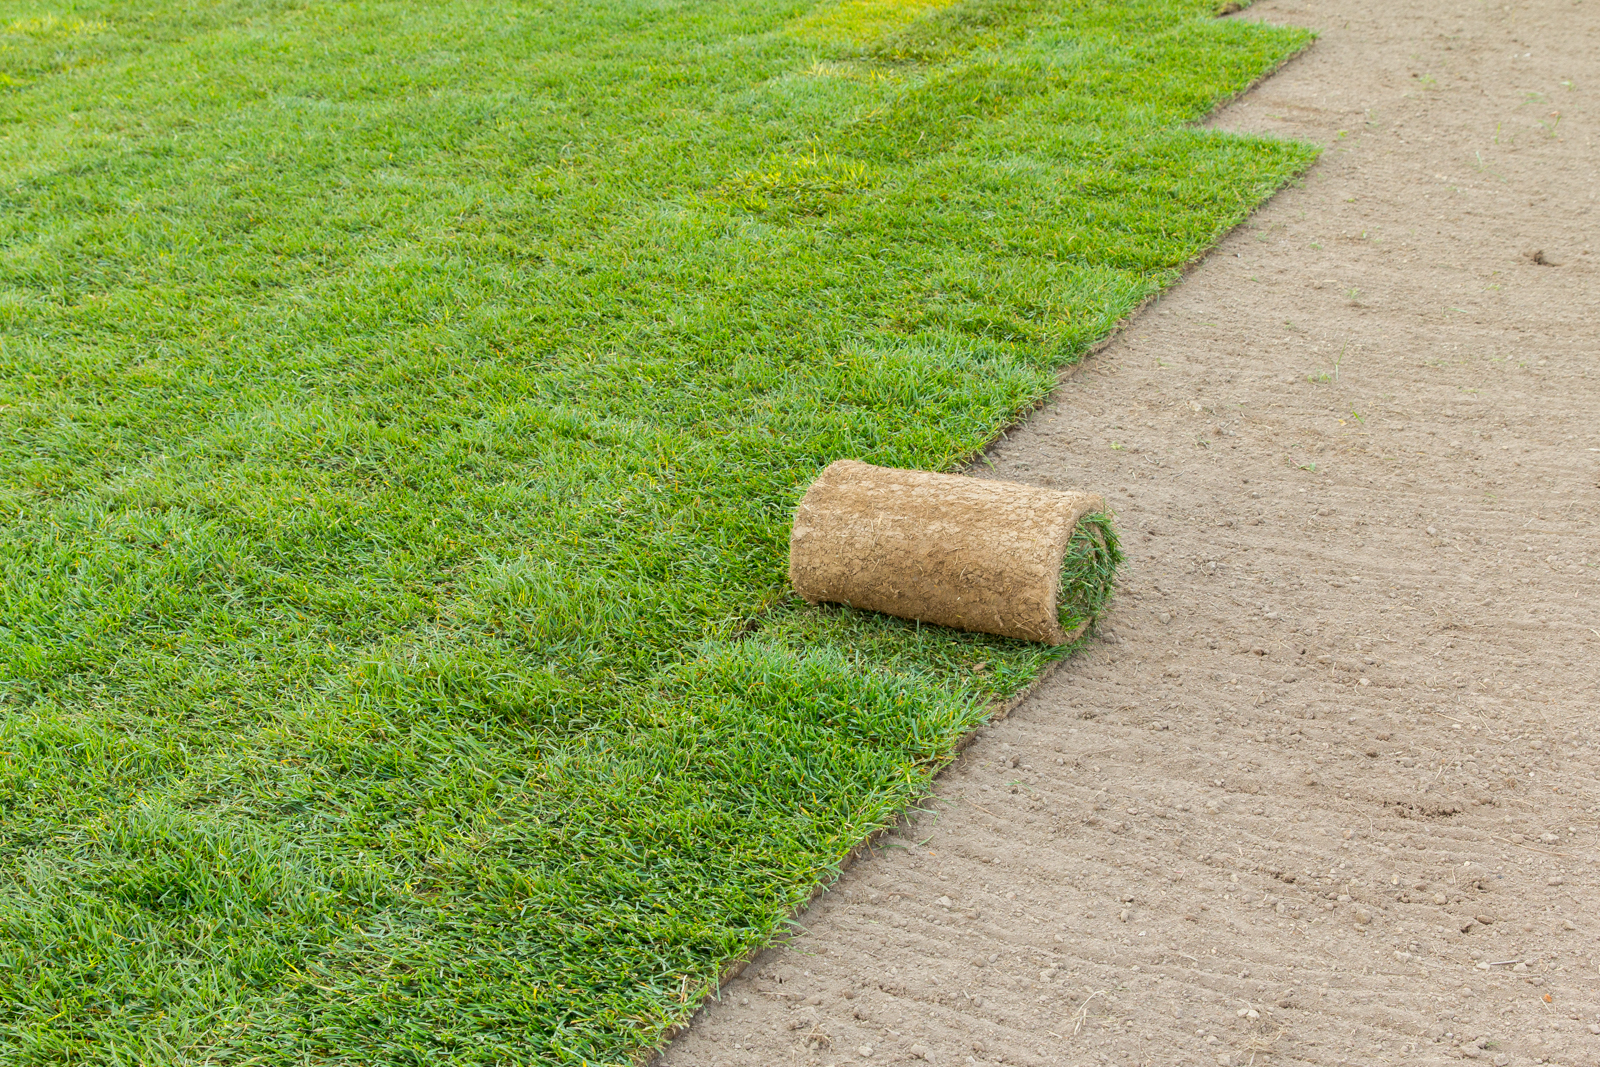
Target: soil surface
1326, 788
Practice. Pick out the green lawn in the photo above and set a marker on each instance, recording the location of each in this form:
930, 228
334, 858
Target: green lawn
402, 406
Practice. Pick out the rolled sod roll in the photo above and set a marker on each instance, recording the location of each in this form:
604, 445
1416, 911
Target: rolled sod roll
995, 557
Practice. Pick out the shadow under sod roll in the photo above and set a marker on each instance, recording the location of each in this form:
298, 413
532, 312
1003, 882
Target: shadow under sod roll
995, 557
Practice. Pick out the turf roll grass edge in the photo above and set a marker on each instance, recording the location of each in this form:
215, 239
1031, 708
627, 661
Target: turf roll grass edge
401, 412
1088, 571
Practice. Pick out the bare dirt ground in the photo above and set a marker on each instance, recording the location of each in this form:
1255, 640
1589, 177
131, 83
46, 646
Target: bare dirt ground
1325, 789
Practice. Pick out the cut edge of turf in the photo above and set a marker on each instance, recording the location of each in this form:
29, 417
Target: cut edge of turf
1311, 38
1074, 361
998, 711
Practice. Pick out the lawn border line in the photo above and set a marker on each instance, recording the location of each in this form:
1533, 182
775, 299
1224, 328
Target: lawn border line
999, 711
1263, 76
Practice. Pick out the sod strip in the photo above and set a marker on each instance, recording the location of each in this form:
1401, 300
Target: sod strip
975, 554
402, 408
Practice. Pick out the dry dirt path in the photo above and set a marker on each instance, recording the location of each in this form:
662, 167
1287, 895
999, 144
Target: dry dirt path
1325, 790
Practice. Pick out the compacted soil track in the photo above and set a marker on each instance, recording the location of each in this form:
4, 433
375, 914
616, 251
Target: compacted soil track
1326, 788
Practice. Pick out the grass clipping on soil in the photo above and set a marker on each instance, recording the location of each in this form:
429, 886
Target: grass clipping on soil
402, 408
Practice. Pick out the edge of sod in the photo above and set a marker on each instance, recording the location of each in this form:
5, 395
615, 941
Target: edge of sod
999, 710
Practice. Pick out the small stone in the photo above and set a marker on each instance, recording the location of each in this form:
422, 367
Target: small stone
1520, 968
1363, 916
864, 1051
918, 1052
1440, 899
1567, 924
1536, 980
1165, 617
1555, 881
1501, 1059
1124, 914
944, 902
1594, 1028
1549, 838
1484, 919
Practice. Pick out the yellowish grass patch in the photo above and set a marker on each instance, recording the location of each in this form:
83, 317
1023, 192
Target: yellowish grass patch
855, 22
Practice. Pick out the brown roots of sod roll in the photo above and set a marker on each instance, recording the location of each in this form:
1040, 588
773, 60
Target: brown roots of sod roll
996, 557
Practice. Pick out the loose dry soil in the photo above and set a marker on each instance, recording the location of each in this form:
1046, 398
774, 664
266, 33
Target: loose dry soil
1325, 788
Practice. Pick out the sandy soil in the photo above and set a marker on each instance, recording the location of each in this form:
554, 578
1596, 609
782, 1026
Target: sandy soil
1325, 790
